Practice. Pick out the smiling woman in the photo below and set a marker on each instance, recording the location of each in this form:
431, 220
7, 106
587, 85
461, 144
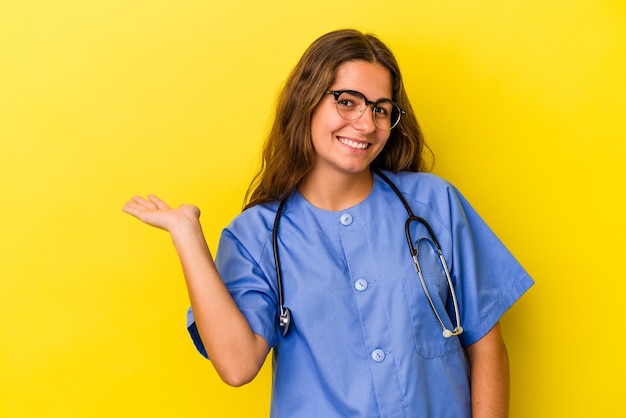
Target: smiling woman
522, 102
349, 317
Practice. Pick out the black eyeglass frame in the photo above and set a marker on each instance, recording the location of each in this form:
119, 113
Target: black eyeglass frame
337, 93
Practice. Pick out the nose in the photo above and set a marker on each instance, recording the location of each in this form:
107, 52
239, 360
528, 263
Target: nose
365, 122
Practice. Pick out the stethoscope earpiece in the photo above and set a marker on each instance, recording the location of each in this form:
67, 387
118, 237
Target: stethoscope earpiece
457, 331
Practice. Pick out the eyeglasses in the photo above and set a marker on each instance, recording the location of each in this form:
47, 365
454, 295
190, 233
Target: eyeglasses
351, 105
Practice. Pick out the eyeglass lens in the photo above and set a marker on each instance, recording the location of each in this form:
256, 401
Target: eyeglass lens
352, 105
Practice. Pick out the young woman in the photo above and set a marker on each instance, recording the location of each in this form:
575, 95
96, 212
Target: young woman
321, 265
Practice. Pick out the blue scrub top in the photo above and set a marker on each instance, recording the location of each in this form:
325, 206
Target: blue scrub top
364, 341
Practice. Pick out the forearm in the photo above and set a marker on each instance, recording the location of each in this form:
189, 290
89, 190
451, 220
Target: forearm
489, 365
236, 352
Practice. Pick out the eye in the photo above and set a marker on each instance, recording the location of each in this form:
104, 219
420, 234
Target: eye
344, 102
350, 100
383, 109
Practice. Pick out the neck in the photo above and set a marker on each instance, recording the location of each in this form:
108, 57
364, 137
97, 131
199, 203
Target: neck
337, 192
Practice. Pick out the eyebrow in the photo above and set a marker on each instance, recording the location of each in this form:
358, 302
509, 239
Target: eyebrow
380, 99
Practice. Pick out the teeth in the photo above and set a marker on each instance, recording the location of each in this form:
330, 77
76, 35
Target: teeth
353, 144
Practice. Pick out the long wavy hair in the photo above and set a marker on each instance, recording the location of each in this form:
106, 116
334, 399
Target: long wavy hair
288, 152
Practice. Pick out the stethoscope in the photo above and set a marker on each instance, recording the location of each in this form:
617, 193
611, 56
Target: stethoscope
284, 314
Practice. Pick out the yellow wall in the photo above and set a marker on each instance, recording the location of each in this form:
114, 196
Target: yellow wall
523, 102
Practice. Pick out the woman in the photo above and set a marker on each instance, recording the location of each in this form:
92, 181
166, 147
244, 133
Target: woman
364, 340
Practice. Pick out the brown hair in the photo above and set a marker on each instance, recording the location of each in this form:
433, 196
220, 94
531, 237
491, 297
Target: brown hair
288, 152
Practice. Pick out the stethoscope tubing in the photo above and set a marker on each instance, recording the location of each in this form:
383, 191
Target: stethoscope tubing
414, 254
284, 314
285, 317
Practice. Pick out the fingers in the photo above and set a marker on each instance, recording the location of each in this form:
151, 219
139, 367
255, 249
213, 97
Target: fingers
134, 206
137, 205
155, 212
158, 203
142, 202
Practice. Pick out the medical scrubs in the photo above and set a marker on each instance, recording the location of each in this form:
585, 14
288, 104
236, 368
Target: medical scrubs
364, 341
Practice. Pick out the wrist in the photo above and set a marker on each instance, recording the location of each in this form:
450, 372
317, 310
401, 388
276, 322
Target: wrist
185, 228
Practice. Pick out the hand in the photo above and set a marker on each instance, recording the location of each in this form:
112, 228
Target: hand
155, 212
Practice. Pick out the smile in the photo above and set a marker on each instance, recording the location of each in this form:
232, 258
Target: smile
353, 144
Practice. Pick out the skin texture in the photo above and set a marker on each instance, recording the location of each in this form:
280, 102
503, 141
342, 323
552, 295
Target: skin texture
340, 178
489, 365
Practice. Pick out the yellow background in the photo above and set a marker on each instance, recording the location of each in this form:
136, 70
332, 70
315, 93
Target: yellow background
523, 103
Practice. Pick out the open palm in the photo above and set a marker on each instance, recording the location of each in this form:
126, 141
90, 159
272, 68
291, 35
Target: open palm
155, 212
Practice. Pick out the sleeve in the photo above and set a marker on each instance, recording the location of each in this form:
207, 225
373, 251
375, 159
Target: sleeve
194, 334
251, 290
489, 280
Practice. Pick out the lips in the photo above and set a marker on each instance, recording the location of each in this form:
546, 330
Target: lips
353, 144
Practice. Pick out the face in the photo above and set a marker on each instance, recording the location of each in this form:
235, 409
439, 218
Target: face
344, 146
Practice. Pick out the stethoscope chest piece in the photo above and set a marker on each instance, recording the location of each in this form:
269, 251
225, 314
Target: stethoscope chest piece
284, 320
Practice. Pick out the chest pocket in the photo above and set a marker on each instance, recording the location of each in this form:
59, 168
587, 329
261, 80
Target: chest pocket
429, 340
